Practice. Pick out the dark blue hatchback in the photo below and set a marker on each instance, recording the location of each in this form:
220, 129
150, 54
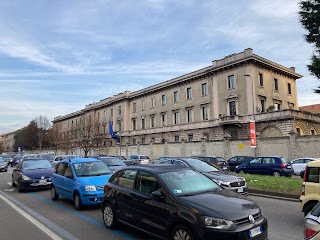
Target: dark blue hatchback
32, 174
268, 165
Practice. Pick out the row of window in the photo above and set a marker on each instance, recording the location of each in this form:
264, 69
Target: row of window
204, 92
232, 83
175, 118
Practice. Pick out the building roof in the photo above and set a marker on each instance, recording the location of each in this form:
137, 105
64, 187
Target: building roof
314, 108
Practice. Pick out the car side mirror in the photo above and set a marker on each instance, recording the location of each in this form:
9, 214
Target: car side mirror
157, 194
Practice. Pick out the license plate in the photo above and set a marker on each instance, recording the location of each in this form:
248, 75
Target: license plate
289, 166
43, 181
240, 190
255, 231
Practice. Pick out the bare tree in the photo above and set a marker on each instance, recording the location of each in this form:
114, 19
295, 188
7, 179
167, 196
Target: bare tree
88, 135
1, 147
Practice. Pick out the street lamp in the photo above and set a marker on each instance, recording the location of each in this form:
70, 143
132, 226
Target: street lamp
253, 139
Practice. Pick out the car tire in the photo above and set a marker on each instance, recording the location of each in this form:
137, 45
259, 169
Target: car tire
182, 233
20, 189
109, 216
308, 208
241, 172
54, 195
276, 174
77, 202
13, 184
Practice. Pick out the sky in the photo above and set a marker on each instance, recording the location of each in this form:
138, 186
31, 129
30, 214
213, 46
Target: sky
58, 56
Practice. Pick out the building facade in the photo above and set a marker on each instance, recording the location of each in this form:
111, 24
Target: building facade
212, 103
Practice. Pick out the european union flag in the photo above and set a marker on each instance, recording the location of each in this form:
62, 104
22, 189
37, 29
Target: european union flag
111, 132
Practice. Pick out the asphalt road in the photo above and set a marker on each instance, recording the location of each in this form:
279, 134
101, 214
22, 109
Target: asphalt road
59, 219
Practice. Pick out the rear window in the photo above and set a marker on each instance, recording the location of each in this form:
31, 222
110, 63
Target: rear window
285, 160
144, 157
312, 174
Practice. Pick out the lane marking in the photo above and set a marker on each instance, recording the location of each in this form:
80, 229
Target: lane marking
83, 217
31, 219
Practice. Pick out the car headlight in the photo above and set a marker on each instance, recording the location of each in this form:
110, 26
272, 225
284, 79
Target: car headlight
237, 166
222, 183
90, 188
24, 177
218, 223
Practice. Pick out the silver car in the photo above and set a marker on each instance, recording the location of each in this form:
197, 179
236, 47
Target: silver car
137, 159
312, 224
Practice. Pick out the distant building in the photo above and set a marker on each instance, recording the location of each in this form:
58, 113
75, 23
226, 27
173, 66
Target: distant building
208, 104
314, 108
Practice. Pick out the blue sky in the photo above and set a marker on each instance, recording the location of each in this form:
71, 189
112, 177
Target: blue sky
58, 56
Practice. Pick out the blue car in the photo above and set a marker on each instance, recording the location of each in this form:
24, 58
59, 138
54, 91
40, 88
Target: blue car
268, 165
81, 180
32, 173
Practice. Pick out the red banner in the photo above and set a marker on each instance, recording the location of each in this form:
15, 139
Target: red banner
253, 140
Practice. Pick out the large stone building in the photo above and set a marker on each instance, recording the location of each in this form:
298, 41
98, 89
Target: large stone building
212, 103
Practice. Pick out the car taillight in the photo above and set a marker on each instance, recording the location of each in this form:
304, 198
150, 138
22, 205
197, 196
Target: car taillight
305, 174
282, 165
218, 163
309, 233
303, 188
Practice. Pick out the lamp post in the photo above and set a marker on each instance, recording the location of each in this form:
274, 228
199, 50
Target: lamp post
253, 138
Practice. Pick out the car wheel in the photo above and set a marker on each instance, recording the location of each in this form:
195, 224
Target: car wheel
182, 233
308, 208
241, 172
276, 174
20, 189
77, 202
109, 217
54, 195
13, 184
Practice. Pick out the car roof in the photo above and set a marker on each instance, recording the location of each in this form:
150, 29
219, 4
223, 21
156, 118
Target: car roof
80, 160
34, 158
313, 164
157, 168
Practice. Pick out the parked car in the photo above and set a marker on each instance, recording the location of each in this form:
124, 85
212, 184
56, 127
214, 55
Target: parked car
32, 173
312, 224
48, 156
7, 159
299, 164
176, 202
15, 160
81, 180
58, 158
113, 163
224, 179
3, 165
310, 189
268, 165
237, 160
137, 159
29, 156
218, 161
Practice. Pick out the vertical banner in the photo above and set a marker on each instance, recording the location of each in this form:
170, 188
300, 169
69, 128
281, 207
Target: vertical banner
253, 140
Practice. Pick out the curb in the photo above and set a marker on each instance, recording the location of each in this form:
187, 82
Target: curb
274, 195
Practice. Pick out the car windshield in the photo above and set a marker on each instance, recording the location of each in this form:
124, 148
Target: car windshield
36, 164
112, 161
86, 169
188, 182
201, 166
